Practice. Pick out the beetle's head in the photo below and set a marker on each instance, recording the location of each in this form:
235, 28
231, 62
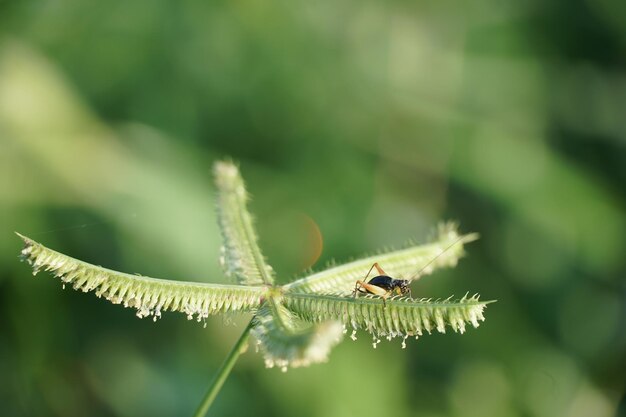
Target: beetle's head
402, 286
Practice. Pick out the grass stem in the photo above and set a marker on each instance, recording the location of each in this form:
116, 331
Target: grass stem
223, 372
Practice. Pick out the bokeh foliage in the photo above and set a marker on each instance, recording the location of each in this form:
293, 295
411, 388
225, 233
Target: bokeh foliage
358, 125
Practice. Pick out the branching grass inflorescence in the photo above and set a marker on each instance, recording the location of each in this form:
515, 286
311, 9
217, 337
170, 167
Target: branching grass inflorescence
296, 324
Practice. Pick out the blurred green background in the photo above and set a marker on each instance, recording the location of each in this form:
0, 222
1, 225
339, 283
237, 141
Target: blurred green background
364, 121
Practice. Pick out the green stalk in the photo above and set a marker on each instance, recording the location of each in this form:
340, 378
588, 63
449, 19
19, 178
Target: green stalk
223, 372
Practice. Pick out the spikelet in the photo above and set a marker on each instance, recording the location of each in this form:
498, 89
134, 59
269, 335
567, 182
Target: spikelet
287, 341
150, 296
398, 317
444, 251
240, 255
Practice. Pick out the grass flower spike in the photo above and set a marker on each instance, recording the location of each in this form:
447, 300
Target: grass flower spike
296, 324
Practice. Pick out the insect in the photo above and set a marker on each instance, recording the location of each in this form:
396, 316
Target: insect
384, 285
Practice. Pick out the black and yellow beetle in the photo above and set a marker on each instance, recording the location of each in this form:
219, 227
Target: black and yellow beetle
382, 284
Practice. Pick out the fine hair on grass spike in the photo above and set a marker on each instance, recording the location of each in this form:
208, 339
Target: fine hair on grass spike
296, 324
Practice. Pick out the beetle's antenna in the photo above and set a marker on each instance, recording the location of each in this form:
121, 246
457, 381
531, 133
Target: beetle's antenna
416, 276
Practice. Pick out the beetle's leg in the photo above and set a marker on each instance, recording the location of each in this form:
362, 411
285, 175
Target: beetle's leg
384, 297
381, 272
378, 268
361, 284
358, 288
403, 291
372, 289
368, 273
